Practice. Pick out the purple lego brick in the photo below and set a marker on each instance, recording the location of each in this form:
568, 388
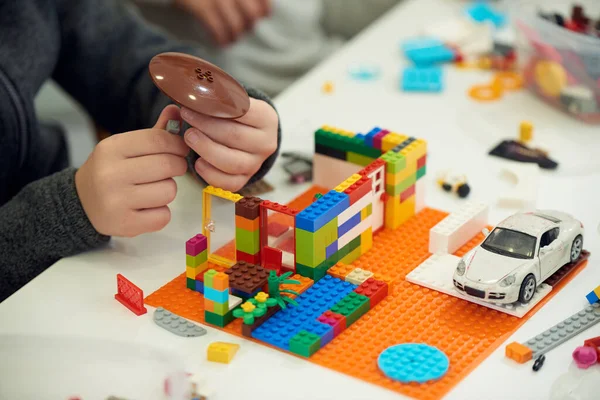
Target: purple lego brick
196, 245
370, 135
378, 138
346, 226
331, 249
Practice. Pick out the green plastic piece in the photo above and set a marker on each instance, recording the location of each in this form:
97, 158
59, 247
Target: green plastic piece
275, 291
218, 320
345, 143
353, 306
246, 241
305, 343
395, 162
221, 308
421, 172
358, 159
208, 278
369, 209
194, 261
259, 311
310, 246
317, 196
190, 283
401, 187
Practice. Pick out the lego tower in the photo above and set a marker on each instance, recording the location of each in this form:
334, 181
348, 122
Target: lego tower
196, 261
216, 298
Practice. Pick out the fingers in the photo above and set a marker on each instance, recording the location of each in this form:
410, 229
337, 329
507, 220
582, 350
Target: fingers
147, 220
252, 11
230, 161
217, 178
233, 18
259, 115
226, 132
215, 25
154, 168
266, 6
145, 142
153, 195
168, 113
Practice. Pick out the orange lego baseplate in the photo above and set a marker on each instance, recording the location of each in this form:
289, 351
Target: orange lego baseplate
467, 333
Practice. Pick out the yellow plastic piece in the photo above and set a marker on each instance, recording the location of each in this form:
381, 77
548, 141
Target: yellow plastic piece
363, 214
486, 92
392, 140
550, 77
398, 177
392, 212
192, 272
224, 194
206, 214
407, 209
509, 80
260, 297
221, 352
347, 183
327, 87
366, 240
248, 307
352, 256
597, 291
525, 132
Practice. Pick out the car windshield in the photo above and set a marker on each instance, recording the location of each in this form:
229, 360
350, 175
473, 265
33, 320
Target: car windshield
510, 243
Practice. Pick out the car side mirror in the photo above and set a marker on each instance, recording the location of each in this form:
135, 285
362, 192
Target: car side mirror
485, 232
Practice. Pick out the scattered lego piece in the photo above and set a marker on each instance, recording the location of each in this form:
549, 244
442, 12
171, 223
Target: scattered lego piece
483, 12
247, 278
578, 99
525, 176
518, 352
130, 296
427, 51
538, 363
221, 352
176, 324
450, 182
516, 151
585, 357
458, 228
173, 126
362, 72
416, 79
413, 362
486, 92
327, 87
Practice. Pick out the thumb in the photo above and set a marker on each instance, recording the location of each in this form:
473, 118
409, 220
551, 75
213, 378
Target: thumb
168, 113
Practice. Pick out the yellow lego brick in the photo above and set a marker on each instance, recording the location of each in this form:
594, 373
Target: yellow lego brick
597, 291
347, 183
358, 159
192, 272
421, 148
394, 179
366, 241
352, 256
392, 140
414, 151
224, 194
337, 131
392, 212
364, 214
407, 209
221, 352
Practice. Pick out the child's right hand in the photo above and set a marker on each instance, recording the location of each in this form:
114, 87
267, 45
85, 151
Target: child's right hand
127, 182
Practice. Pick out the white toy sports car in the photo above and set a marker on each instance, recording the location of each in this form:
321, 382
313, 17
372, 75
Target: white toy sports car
518, 255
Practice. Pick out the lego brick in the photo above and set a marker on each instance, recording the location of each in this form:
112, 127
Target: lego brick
331, 152
247, 224
173, 126
407, 193
349, 224
370, 135
352, 255
323, 331
407, 209
318, 272
190, 283
394, 162
518, 352
177, 325
218, 296
420, 192
209, 305
523, 195
199, 286
360, 189
437, 271
322, 211
347, 183
248, 258
272, 258
248, 207
397, 178
218, 320
221, 352
208, 278
597, 291
406, 363
130, 296
328, 171
340, 271
345, 143
193, 272
311, 246
422, 161
421, 172
458, 228
331, 249
336, 321
374, 289
354, 232
412, 149
197, 260
415, 79
224, 194
247, 241
273, 206
196, 245
349, 212
392, 212
371, 169
366, 241
246, 278
276, 229
358, 159
364, 213
300, 288
392, 140
592, 297
220, 281
353, 306
378, 138
220, 308
358, 276
431, 54
305, 343
258, 321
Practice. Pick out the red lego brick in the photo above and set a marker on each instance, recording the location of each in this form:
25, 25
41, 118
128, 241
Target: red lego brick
248, 207
265, 206
288, 246
378, 163
276, 229
273, 206
337, 321
378, 138
249, 258
375, 290
130, 295
196, 245
422, 161
272, 259
359, 189
407, 193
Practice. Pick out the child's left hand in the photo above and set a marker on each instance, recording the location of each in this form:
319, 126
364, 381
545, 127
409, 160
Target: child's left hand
232, 151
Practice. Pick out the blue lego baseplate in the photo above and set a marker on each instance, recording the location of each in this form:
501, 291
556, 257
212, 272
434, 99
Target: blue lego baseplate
285, 324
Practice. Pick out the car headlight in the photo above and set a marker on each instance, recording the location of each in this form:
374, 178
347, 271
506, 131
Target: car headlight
461, 268
509, 280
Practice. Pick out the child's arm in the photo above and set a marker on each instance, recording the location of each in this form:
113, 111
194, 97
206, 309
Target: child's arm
348, 17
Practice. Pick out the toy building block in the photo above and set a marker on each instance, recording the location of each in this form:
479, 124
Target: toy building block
340, 270
374, 289
358, 276
246, 279
359, 190
518, 352
458, 228
322, 330
429, 80
272, 259
413, 362
173, 126
176, 324
248, 208
336, 321
130, 296
322, 211
353, 306
247, 224
223, 194
593, 343
593, 296
427, 51
305, 343
247, 329
221, 352
301, 287
196, 245
347, 183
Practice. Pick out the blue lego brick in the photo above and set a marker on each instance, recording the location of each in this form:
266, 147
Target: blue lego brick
320, 297
243, 295
592, 297
360, 136
420, 43
369, 136
482, 12
331, 249
218, 296
324, 331
349, 224
422, 79
200, 286
427, 56
315, 216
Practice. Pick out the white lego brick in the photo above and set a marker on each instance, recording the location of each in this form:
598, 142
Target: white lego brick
354, 232
355, 208
358, 276
330, 172
458, 228
234, 301
437, 271
287, 258
523, 194
420, 191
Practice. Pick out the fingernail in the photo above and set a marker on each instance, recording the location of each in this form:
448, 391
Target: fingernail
191, 136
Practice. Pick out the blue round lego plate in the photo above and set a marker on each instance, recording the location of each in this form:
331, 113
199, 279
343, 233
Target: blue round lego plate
413, 362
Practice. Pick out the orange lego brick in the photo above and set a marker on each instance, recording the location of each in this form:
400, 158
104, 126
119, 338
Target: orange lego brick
465, 332
221, 281
518, 352
247, 224
305, 283
209, 305
340, 270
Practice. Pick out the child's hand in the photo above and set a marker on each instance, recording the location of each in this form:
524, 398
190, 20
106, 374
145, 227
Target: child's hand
127, 182
232, 151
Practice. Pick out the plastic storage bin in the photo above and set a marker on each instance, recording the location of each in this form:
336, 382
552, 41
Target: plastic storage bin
560, 66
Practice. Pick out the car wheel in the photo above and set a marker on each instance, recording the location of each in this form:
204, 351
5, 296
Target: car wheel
576, 248
527, 289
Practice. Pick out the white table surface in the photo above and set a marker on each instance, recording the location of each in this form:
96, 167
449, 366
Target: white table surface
75, 296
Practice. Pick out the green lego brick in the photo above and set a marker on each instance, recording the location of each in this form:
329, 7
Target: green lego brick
316, 273
194, 261
421, 172
310, 246
394, 162
208, 278
359, 159
353, 306
218, 320
221, 308
369, 209
304, 270
190, 283
352, 256
305, 343
246, 241
396, 190
345, 143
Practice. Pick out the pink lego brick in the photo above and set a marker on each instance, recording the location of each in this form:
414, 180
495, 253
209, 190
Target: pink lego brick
196, 245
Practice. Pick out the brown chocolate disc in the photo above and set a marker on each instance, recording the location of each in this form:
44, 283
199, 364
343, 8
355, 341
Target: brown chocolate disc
199, 85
